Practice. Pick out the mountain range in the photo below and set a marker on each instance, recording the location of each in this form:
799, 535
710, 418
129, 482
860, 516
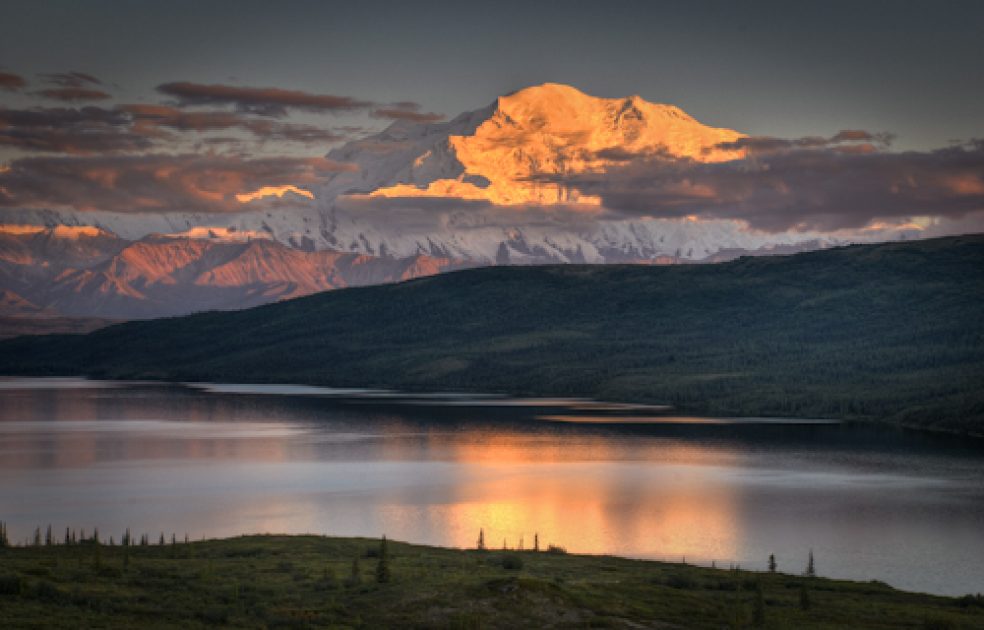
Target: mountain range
88, 272
415, 199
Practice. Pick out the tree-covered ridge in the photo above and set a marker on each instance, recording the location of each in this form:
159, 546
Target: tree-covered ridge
890, 332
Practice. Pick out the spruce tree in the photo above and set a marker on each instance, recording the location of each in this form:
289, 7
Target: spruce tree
382, 566
97, 553
161, 541
772, 563
811, 569
481, 540
536, 541
68, 537
37, 537
49, 539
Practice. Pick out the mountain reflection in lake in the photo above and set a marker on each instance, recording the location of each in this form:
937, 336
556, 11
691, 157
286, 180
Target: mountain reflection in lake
873, 503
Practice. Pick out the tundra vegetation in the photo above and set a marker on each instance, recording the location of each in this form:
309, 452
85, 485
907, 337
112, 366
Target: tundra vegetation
292, 582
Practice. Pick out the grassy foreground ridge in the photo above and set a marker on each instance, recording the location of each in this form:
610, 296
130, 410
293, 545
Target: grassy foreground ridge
313, 581
890, 332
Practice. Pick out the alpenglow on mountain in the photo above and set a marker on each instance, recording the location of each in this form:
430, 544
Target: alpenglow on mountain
472, 189
485, 188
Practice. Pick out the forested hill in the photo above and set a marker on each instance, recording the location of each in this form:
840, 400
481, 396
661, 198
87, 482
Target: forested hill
889, 332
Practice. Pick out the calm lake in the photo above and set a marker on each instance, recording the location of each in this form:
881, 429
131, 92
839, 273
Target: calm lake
872, 503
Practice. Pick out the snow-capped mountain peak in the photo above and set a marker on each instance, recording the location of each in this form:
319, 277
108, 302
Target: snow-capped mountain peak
482, 187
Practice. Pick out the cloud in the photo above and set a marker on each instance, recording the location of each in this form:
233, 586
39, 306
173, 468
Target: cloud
153, 183
406, 110
129, 128
847, 141
263, 101
803, 184
11, 82
70, 130
148, 119
71, 79
74, 94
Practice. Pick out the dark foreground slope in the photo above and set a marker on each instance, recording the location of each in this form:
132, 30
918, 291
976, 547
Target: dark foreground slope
310, 582
889, 332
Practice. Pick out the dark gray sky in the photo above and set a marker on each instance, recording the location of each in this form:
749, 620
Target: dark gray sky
766, 68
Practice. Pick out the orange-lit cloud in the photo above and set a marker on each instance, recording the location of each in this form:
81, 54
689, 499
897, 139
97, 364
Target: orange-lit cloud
273, 191
157, 183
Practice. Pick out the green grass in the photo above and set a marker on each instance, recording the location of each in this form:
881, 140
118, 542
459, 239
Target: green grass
303, 582
891, 333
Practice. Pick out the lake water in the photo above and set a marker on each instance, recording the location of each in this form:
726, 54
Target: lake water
872, 503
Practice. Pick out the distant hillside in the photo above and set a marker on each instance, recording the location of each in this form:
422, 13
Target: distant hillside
889, 332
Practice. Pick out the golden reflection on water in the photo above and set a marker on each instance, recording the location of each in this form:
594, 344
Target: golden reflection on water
588, 493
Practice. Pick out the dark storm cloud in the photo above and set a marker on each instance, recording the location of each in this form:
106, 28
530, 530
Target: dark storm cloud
264, 101
74, 94
782, 185
152, 183
11, 82
69, 130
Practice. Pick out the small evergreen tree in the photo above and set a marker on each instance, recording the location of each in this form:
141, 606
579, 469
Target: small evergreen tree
161, 540
382, 565
95, 535
772, 563
811, 569
481, 540
37, 537
4, 541
68, 537
536, 541
49, 538
97, 553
